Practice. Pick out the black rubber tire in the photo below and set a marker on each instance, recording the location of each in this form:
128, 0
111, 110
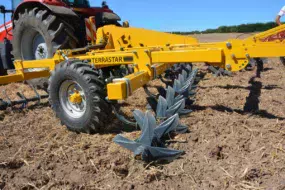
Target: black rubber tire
2, 70
57, 34
97, 113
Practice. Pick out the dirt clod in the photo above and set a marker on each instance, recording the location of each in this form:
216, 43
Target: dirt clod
217, 153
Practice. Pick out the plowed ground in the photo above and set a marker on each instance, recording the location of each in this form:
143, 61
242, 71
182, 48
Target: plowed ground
236, 141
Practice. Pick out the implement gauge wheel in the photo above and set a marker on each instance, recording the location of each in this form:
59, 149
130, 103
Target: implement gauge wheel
77, 96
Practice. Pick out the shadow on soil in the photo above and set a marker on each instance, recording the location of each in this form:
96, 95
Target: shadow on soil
229, 87
221, 108
252, 101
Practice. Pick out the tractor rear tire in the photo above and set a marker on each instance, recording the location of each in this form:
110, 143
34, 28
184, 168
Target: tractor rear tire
38, 34
94, 112
3, 71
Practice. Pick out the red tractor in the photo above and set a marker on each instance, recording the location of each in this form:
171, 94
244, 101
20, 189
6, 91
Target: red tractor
40, 27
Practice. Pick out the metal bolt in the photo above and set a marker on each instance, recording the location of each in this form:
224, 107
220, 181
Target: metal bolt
247, 56
233, 56
134, 51
147, 65
228, 66
146, 51
229, 45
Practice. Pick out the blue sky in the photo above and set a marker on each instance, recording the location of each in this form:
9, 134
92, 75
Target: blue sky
188, 15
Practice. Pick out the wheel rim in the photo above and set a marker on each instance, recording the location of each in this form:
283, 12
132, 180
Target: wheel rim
33, 45
67, 89
40, 47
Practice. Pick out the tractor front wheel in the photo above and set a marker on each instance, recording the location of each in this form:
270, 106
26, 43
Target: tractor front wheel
77, 96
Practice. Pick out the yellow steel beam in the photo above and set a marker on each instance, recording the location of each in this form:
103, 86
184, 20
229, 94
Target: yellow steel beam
194, 55
22, 76
118, 37
122, 88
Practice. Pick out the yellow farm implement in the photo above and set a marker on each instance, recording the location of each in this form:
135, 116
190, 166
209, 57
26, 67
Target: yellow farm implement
85, 83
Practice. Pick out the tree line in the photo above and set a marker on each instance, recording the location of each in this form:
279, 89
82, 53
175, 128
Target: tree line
242, 28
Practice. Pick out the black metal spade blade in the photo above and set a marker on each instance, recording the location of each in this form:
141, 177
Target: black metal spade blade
146, 146
163, 111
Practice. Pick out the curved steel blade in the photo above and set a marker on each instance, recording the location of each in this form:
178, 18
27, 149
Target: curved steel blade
185, 75
149, 123
170, 93
177, 85
181, 79
185, 111
126, 143
161, 107
157, 153
139, 117
176, 108
181, 129
178, 98
167, 126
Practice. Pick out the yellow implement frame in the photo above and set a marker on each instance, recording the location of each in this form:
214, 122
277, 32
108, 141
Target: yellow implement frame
151, 53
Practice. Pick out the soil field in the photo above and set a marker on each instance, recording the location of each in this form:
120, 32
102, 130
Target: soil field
236, 141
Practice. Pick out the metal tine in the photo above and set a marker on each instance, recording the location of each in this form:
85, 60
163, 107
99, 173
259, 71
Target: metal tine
22, 96
219, 72
9, 102
37, 94
168, 82
148, 92
226, 72
215, 71
3, 104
